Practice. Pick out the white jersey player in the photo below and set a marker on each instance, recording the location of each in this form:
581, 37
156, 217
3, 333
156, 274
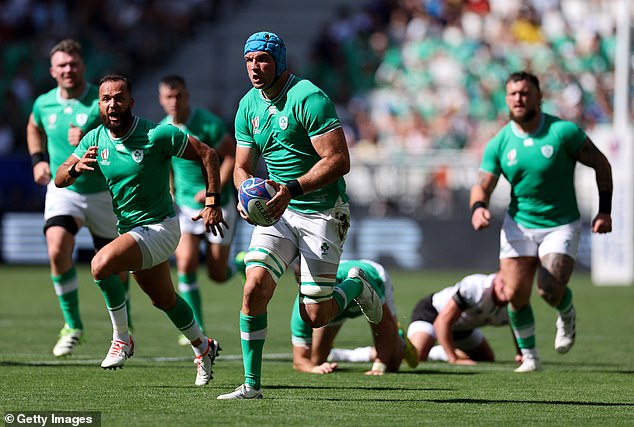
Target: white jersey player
453, 317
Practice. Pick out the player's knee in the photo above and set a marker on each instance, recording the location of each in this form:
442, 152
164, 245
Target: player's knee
58, 254
315, 318
98, 266
218, 275
257, 294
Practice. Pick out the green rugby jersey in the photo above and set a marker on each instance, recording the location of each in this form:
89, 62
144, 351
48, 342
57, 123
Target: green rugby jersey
540, 167
137, 167
188, 176
55, 114
300, 329
280, 129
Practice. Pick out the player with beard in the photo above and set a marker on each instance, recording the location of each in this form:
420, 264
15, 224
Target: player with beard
59, 119
537, 153
134, 155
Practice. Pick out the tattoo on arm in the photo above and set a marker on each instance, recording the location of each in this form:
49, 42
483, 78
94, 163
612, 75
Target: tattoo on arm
487, 182
591, 156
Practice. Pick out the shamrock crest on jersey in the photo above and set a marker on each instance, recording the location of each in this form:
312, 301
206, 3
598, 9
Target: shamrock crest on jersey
137, 156
547, 151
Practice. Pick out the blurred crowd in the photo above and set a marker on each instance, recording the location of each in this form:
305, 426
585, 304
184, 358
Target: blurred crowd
412, 76
117, 35
414, 80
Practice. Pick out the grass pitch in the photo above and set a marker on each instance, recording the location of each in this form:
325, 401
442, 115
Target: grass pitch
592, 385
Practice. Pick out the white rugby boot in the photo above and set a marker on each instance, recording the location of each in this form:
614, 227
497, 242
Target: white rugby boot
566, 331
205, 362
67, 340
244, 391
530, 362
119, 352
369, 302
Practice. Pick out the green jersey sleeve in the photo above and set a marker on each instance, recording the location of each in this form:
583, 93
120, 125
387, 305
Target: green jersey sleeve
491, 158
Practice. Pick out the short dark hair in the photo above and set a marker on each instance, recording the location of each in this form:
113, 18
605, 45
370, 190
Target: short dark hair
519, 76
172, 80
116, 77
69, 46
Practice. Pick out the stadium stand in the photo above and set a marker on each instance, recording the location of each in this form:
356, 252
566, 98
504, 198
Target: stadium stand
419, 84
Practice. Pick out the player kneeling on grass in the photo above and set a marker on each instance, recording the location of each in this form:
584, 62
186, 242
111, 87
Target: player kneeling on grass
453, 317
311, 347
134, 155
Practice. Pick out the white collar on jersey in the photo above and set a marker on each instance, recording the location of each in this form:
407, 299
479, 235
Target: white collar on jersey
521, 134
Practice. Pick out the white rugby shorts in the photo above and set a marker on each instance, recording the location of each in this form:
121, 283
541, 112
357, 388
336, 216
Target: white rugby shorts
229, 213
93, 210
516, 240
318, 239
157, 241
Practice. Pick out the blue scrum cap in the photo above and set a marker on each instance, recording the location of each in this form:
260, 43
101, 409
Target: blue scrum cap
271, 43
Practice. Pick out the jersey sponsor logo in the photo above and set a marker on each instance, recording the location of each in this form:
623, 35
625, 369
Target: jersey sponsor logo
137, 156
255, 122
81, 119
121, 148
68, 110
283, 122
528, 142
272, 110
547, 151
512, 157
105, 153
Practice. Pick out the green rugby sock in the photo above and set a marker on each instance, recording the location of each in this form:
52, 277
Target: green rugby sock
566, 303
346, 291
114, 294
523, 325
66, 290
188, 288
253, 331
113, 291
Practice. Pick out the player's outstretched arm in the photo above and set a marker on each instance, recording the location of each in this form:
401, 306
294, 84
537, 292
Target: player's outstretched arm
208, 158
443, 326
36, 143
479, 200
73, 167
592, 157
388, 344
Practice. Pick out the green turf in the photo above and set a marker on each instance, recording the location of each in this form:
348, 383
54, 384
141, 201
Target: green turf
592, 385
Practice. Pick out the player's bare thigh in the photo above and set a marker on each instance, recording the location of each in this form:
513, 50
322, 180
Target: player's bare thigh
187, 252
518, 274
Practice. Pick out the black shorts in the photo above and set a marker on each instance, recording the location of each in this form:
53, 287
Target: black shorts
426, 312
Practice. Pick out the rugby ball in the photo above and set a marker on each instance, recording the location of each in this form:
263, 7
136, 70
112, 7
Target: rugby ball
253, 194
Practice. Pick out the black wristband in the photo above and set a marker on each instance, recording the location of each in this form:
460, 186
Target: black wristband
295, 188
72, 172
212, 200
605, 202
38, 157
476, 205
